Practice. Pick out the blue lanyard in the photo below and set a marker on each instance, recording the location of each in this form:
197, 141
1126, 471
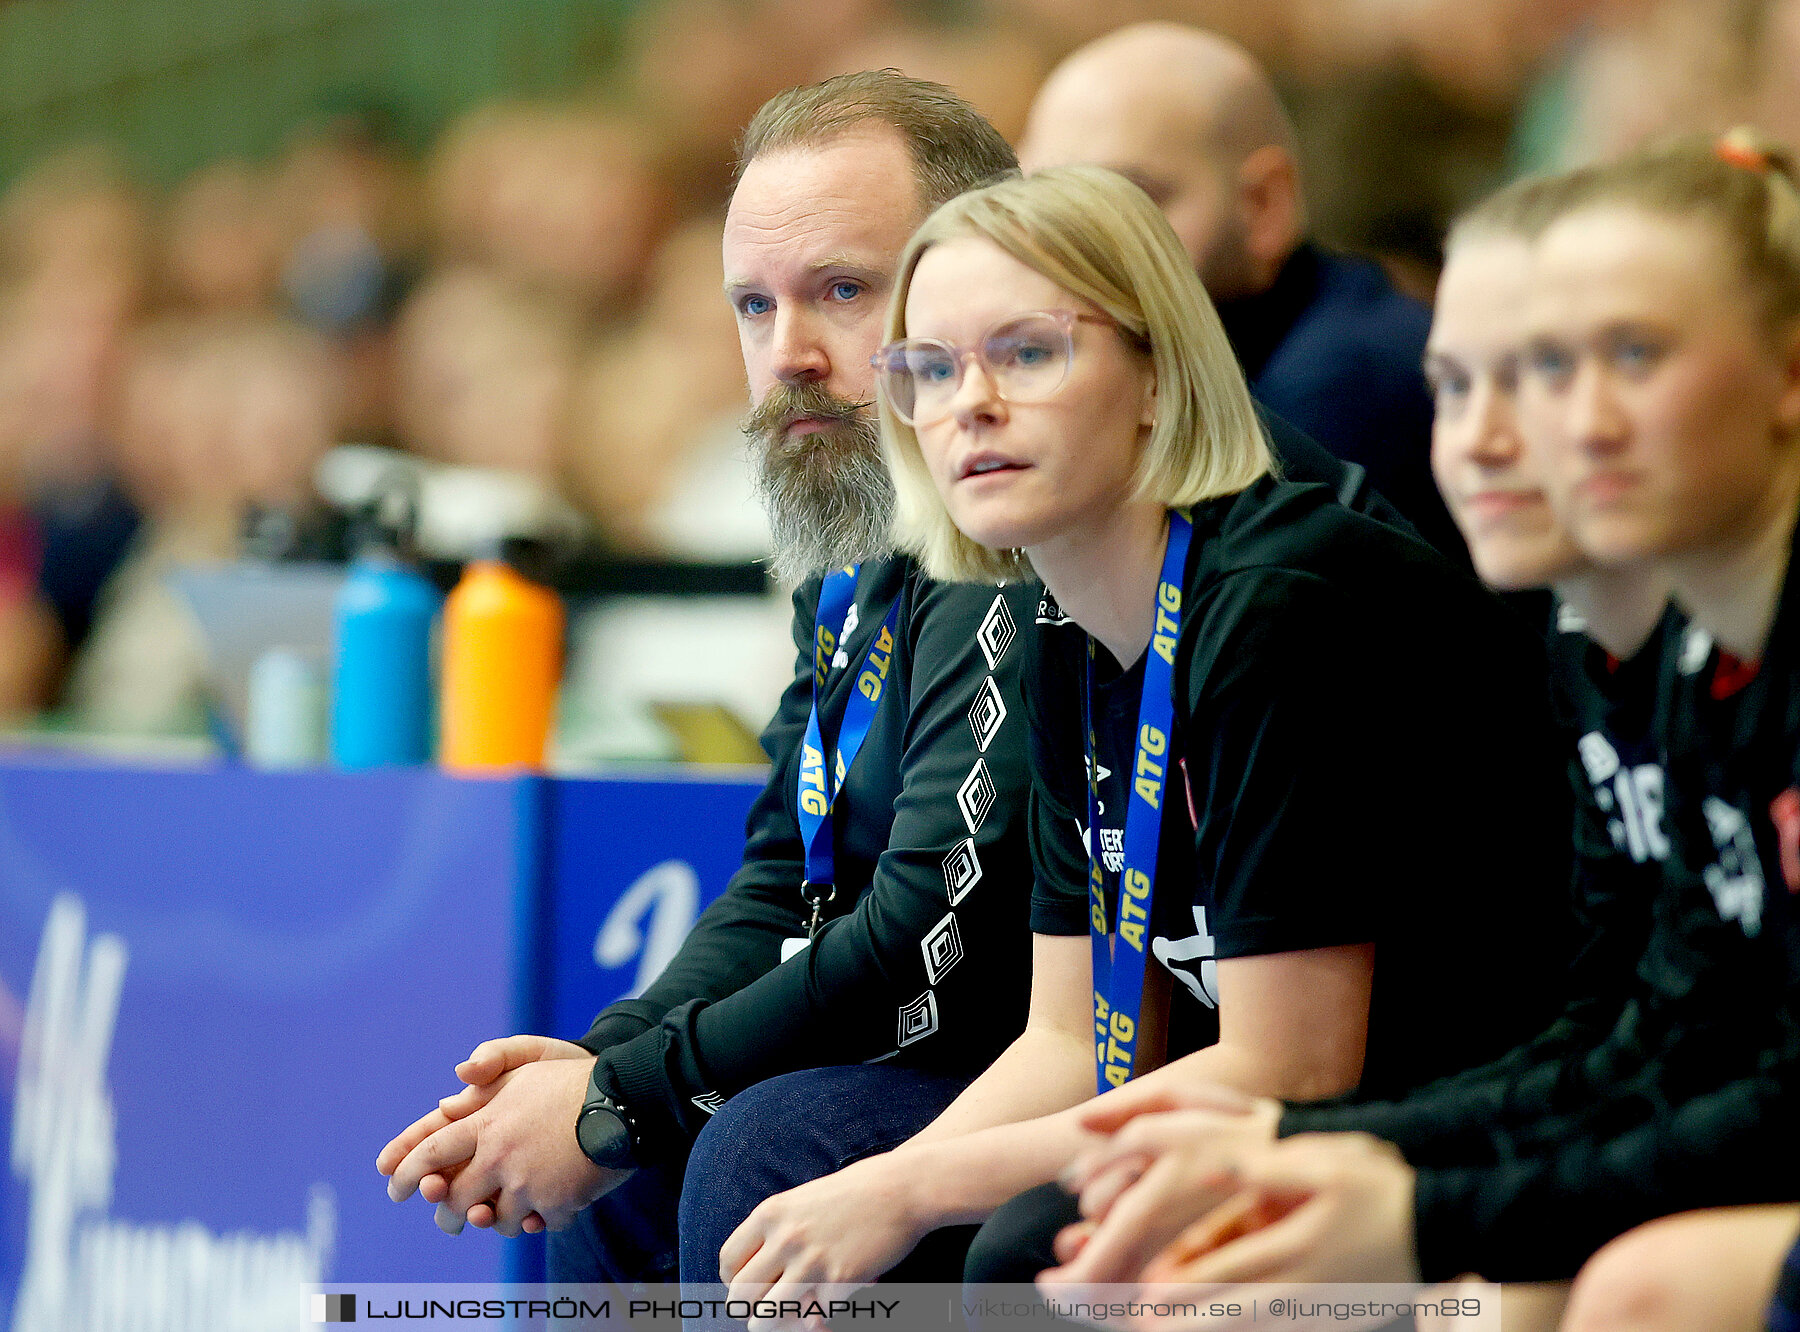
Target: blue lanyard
818, 784
1120, 955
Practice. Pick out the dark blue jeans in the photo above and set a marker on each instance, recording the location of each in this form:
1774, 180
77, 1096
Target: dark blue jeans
769, 1138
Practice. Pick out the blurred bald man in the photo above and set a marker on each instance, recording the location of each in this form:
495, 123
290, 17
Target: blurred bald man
1325, 339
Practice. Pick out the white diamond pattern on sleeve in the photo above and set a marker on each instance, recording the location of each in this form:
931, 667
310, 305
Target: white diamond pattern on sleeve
962, 870
918, 1019
987, 714
997, 631
975, 798
943, 948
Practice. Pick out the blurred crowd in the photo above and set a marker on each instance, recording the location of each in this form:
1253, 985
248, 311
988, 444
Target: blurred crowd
538, 294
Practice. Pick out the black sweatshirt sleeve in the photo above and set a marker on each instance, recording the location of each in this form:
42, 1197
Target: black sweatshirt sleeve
1539, 1216
1454, 1117
738, 937
891, 972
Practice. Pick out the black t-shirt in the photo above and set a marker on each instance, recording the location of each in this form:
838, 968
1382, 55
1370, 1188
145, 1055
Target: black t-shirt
1366, 755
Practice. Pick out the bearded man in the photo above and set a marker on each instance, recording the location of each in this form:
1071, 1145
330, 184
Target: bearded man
872, 953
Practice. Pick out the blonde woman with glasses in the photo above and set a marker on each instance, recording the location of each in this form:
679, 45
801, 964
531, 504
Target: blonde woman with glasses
1297, 812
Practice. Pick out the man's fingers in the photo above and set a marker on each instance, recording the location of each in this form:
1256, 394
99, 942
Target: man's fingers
448, 1219
434, 1188
389, 1158
490, 1059
1105, 1114
481, 1216
449, 1146
533, 1224
467, 1101
510, 1211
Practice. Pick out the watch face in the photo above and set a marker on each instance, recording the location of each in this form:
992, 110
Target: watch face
603, 1137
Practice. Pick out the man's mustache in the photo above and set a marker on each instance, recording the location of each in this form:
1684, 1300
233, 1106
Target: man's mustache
788, 403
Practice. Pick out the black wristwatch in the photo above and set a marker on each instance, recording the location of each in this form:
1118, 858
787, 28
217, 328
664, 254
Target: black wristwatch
605, 1132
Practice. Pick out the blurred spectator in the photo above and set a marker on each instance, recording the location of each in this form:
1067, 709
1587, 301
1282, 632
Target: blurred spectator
1641, 70
991, 63
1063, 25
76, 222
656, 454
222, 240
74, 265
351, 207
566, 198
212, 415
30, 639
1324, 338
484, 372
483, 369
1776, 103
706, 65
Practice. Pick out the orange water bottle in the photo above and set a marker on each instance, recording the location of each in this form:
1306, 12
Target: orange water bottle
503, 637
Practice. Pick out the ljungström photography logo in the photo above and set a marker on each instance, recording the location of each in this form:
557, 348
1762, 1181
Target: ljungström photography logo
334, 1308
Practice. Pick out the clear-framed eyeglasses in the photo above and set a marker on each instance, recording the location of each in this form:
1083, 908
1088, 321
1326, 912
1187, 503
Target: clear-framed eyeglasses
1026, 357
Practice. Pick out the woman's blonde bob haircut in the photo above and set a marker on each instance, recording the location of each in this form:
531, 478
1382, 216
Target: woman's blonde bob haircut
1101, 239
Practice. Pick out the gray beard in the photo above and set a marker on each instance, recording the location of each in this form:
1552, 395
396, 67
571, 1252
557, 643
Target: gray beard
828, 496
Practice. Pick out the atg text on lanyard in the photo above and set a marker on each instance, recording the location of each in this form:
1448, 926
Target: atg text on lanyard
822, 774
1120, 939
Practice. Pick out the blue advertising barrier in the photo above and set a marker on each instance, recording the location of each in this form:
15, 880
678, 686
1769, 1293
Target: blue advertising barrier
221, 992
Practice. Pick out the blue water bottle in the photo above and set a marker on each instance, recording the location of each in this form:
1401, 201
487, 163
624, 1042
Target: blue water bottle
381, 685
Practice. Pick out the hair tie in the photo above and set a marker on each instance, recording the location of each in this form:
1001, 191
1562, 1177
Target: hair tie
1742, 156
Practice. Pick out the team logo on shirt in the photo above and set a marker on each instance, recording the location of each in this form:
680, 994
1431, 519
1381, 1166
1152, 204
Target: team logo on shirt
962, 871
986, 714
1112, 846
976, 796
1049, 612
842, 656
1098, 772
1191, 960
918, 1019
1633, 794
1735, 879
709, 1102
943, 948
996, 632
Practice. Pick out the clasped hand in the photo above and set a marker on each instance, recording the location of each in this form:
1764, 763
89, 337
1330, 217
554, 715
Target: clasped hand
502, 1151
